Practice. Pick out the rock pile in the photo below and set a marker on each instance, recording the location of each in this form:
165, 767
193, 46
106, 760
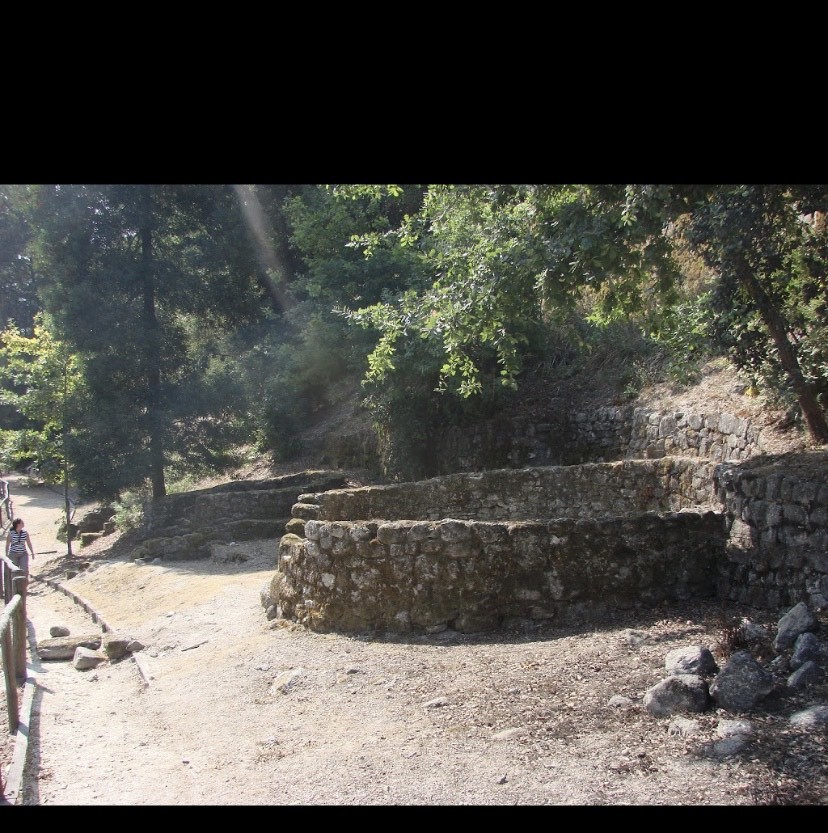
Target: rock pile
759, 664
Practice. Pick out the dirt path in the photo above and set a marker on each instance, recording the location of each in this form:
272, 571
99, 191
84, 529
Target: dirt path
223, 707
42, 509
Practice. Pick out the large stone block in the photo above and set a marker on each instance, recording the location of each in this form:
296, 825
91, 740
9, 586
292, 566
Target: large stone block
64, 647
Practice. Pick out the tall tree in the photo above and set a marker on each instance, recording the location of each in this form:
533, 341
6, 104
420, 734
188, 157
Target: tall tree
128, 267
18, 281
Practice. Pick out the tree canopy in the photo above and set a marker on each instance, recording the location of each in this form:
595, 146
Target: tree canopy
199, 318
504, 257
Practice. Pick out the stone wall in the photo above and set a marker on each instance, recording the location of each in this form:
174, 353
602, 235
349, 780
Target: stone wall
587, 491
427, 576
568, 544
480, 550
714, 436
777, 547
601, 435
182, 526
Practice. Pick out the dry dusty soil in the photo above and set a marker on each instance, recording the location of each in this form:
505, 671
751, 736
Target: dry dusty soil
223, 707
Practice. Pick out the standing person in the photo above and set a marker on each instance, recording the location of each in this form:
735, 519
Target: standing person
16, 543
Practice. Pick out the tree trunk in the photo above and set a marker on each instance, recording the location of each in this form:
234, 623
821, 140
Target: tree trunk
159, 488
67, 506
806, 396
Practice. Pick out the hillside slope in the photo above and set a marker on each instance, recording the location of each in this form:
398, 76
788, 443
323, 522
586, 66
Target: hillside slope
719, 388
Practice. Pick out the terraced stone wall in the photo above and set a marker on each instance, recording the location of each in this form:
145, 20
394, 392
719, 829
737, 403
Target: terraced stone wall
471, 575
600, 435
586, 491
777, 546
478, 551
567, 544
183, 526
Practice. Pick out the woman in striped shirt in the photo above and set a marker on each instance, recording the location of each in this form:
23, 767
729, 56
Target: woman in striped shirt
16, 542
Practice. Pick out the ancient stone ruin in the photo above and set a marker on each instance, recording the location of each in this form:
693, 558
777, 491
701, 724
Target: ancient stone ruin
692, 510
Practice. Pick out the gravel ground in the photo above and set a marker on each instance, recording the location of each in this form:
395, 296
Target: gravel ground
224, 707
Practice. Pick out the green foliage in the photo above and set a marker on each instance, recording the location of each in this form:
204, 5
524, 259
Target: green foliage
129, 509
335, 274
44, 384
506, 257
475, 242
185, 482
202, 318
295, 368
407, 413
18, 449
617, 354
291, 378
410, 413
772, 290
685, 334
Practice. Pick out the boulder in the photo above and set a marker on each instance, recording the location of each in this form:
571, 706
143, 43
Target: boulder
809, 648
741, 684
86, 658
809, 673
677, 693
296, 526
812, 717
114, 646
796, 621
64, 647
693, 660
94, 520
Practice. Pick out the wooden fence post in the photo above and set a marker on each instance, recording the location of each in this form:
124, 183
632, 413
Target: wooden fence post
20, 582
7, 620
